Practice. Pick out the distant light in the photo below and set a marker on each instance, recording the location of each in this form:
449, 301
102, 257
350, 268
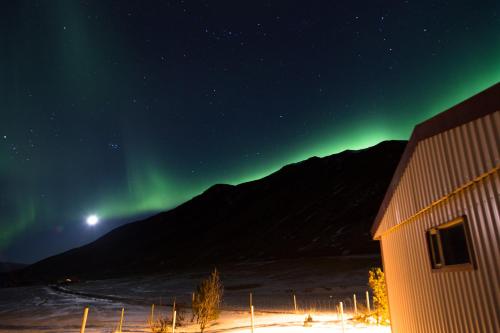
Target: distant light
92, 220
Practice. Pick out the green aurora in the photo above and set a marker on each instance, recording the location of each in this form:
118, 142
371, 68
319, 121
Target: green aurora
150, 189
99, 114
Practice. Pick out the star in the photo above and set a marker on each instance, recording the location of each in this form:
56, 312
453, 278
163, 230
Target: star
113, 146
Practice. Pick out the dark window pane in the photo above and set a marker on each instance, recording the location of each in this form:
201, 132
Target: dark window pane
454, 245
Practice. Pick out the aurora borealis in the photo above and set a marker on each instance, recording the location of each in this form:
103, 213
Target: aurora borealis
126, 108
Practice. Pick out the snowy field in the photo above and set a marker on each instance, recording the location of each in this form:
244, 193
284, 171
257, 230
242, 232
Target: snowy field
318, 285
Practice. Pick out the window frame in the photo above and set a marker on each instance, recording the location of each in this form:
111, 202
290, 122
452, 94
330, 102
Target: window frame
441, 266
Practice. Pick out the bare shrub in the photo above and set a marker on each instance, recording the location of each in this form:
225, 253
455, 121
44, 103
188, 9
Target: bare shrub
160, 325
164, 324
207, 300
376, 280
308, 321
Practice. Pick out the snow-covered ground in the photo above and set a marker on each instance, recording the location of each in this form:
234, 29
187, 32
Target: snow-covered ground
318, 285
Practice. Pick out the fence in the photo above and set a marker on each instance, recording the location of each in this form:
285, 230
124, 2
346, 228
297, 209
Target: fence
294, 303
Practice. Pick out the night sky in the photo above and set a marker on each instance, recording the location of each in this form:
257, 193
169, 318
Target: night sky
126, 108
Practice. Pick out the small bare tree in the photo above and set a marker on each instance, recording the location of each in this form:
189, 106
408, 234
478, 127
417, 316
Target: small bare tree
207, 300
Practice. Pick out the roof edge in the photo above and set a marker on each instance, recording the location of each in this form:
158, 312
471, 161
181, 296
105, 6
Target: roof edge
476, 106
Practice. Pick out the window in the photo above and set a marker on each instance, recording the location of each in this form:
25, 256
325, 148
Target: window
449, 245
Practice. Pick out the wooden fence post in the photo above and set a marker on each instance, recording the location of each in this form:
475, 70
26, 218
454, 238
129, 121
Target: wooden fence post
84, 319
342, 315
152, 313
121, 320
368, 301
173, 321
355, 305
252, 317
295, 303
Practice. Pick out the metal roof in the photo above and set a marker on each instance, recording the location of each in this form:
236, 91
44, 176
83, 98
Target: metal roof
477, 106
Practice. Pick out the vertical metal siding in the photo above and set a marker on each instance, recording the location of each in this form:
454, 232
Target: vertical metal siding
423, 300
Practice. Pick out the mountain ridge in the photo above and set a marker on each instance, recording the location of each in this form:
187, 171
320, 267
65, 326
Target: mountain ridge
320, 206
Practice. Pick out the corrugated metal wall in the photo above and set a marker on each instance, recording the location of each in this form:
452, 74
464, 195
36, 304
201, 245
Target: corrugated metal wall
422, 300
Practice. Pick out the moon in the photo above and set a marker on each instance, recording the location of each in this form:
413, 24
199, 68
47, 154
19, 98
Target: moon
92, 220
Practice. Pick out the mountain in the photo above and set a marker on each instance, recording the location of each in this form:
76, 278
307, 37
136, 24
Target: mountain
317, 207
10, 266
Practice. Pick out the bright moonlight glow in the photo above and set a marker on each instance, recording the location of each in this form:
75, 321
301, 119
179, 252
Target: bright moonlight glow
92, 220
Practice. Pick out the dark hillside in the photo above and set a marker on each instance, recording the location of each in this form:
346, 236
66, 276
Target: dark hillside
318, 207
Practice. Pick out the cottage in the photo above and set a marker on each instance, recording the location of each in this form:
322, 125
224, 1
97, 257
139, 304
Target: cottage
439, 226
